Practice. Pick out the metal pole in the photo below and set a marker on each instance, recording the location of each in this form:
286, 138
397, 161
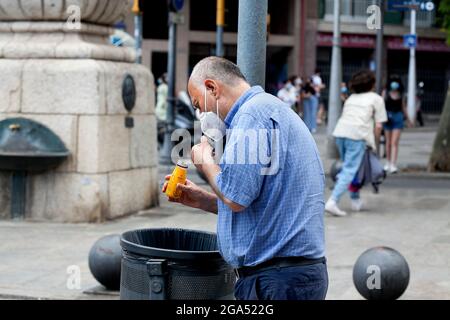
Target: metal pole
166, 150
138, 30
252, 40
220, 26
379, 49
335, 105
412, 73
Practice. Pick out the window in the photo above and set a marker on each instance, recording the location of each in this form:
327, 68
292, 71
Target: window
351, 10
356, 11
155, 19
424, 19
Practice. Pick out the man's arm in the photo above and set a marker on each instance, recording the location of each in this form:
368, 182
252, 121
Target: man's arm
378, 129
405, 112
380, 116
203, 159
211, 172
195, 197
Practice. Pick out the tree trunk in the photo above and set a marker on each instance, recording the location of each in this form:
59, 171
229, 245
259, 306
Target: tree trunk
440, 157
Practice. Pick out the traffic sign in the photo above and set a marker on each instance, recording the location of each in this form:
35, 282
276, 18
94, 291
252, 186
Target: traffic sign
176, 5
410, 40
406, 5
427, 6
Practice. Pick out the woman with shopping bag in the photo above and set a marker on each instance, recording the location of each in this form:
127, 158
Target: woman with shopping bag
360, 124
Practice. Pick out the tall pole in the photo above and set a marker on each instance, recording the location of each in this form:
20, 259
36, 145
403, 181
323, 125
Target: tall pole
252, 40
166, 150
138, 30
412, 73
335, 104
379, 49
220, 26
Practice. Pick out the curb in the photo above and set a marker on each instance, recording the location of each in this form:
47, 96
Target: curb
20, 297
422, 175
414, 175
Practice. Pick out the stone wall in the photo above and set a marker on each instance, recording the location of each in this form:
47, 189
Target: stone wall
81, 101
71, 82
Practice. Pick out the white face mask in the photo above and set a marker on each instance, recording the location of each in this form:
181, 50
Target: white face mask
212, 126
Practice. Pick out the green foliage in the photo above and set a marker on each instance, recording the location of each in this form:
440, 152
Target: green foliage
444, 12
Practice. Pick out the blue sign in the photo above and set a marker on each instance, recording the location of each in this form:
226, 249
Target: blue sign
176, 5
427, 6
406, 5
410, 40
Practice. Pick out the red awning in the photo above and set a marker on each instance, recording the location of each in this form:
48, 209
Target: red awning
348, 40
423, 44
393, 43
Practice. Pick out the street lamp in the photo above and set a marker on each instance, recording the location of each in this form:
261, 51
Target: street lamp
174, 7
379, 49
335, 105
220, 26
252, 40
412, 82
138, 30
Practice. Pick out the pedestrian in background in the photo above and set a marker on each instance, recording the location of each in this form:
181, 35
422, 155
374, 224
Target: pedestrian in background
289, 92
162, 92
298, 82
319, 86
355, 131
344, 92
396, 112
310, 106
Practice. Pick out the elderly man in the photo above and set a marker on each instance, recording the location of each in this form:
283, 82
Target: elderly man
270, 213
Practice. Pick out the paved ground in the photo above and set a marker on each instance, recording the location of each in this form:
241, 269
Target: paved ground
411, 215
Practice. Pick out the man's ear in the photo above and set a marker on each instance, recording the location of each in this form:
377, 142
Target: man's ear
212, 87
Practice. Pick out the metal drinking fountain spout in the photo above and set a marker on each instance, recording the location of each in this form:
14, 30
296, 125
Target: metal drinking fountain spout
27, 146
14, 127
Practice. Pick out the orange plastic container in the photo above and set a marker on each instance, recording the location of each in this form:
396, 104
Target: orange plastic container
179, 176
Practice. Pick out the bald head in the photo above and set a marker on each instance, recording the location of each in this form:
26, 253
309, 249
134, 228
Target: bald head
216, 84
219, 69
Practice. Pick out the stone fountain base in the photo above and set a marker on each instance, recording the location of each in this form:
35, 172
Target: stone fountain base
71, 80
112, 170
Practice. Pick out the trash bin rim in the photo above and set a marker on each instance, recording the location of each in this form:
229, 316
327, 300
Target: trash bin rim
153, 252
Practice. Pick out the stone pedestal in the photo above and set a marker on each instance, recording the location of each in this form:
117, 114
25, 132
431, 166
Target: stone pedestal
71, 81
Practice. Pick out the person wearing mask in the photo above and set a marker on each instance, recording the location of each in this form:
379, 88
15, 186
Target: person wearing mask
358, 128
396, 112
289, 93
270, 213
162, 92
344, 92
319, 86
310, 106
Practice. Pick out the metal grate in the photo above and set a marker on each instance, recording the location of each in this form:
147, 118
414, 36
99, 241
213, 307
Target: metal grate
192, 284
134, 280
200, 287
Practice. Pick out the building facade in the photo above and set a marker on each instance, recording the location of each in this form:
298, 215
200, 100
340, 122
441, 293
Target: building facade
358, 47
300, 39
196, 37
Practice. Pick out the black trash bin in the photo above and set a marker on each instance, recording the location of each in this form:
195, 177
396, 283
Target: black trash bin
174, 264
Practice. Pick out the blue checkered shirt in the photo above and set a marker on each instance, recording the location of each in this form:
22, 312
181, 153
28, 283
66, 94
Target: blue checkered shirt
283, 197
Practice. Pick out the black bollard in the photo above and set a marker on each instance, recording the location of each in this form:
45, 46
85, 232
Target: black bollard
105, 260
381, 274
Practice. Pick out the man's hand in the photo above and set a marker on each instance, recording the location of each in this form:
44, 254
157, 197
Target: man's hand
193, 196
202, 157
202, 154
